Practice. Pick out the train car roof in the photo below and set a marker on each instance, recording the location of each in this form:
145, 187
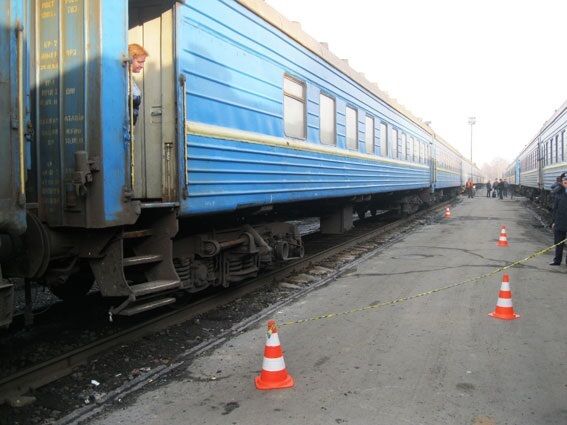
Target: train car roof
294, 30
556, 115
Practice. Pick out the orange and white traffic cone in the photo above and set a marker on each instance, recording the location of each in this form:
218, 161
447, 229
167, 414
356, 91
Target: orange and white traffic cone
504, 309
447, 213
274, 374
503, 238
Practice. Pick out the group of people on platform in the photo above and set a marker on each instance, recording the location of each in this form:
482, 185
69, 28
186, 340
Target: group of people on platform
499, 188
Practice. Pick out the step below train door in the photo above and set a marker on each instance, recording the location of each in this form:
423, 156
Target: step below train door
151, 26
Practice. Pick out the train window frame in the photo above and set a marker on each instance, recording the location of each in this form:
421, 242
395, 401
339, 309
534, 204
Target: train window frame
415, 146
563, 147
383, 138
404, 147
302, 100
334, 116
353, 131
557, 148
395, 135
370, 144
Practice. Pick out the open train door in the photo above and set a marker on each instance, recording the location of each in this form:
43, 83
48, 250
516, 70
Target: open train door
183, 43
152, 25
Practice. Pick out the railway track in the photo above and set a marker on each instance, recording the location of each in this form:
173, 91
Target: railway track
49, 371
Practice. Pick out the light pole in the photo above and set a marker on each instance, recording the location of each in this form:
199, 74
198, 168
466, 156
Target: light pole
472, 121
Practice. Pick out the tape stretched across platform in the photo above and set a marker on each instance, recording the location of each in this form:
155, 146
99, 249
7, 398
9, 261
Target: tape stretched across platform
423, 294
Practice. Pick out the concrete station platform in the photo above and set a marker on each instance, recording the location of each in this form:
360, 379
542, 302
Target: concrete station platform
438, 359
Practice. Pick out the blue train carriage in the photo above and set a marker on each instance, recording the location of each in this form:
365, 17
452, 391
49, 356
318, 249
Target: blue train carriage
512, 173
508, 174
543, 159
451, 171
244, 118
275, 118
527, 166
14, 110
553, 151
470, 170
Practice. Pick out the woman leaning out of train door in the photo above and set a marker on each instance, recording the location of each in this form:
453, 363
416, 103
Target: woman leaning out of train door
138, 57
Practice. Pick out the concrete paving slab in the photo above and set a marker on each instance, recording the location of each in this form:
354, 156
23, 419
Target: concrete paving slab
438, 359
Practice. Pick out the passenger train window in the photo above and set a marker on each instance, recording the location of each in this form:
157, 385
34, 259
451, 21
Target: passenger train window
369, 134
383, 139
351, 128
327, 120
557, 149
403, 146
564, 144
294, 108
394, 143
415, 150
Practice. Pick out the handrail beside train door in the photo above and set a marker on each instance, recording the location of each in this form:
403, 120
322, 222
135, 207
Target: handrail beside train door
21, 94
183, 83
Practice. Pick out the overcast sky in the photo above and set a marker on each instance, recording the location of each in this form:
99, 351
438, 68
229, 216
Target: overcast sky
503, 61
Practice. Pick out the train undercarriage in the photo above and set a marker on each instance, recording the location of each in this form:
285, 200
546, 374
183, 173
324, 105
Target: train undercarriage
142, 266
541, 196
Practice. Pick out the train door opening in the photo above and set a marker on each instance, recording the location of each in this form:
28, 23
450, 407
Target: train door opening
151, 25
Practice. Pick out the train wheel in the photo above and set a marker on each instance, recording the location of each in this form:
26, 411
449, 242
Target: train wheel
361, 213
75, 287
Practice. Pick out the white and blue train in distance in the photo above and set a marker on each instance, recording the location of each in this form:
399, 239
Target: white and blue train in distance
542, 160
245, 122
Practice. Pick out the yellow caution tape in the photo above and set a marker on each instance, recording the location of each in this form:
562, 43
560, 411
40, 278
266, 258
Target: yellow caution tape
422, 294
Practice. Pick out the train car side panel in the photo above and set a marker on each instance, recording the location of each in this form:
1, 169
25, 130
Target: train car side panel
237, 68
81, 113
229, 174
12, 117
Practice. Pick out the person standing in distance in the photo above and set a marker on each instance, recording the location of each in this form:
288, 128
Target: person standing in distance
138, 57
559, 225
